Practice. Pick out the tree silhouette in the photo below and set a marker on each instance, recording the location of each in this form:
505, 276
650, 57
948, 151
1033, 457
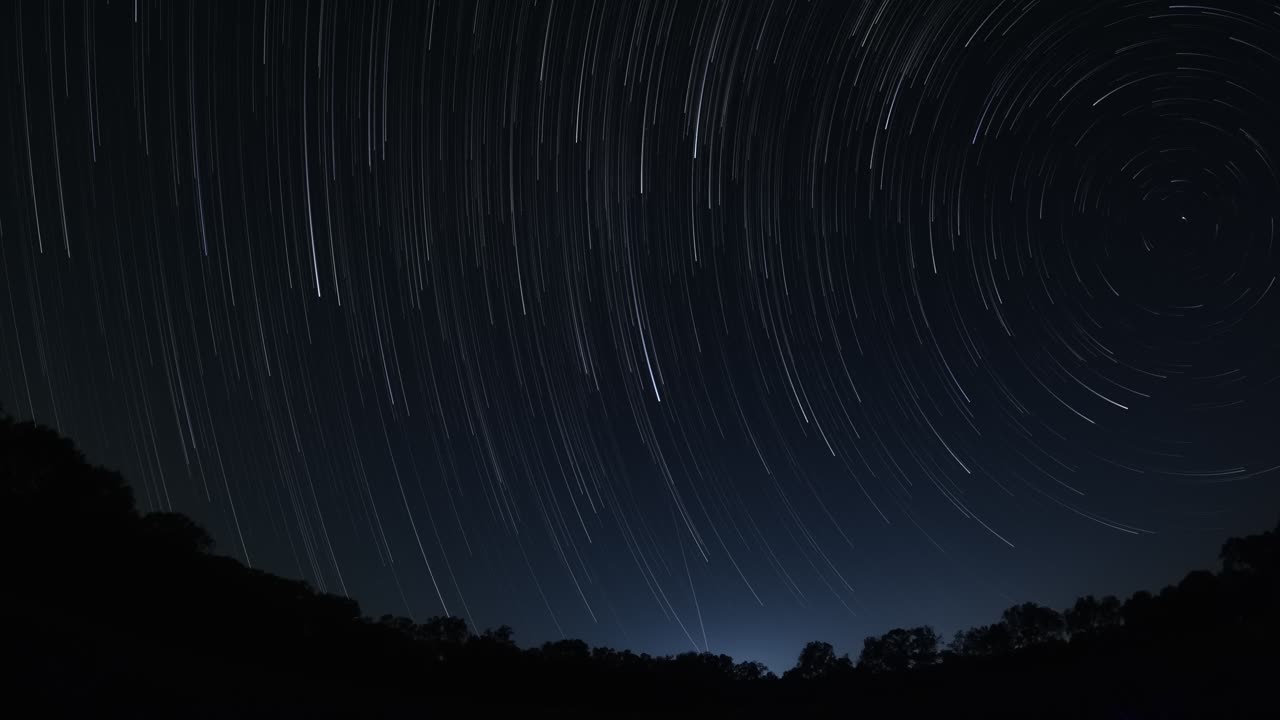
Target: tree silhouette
1253, 555
566, 651
900, 649
52, 498
1089, 615
1031, 624
175, 533
445, 630
105, 610
501, 635
752, 671
983, 641
818, 661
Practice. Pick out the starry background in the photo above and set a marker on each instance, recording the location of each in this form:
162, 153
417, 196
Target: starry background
668, 326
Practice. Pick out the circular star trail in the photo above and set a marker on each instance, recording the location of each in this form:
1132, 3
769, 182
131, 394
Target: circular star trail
665, 325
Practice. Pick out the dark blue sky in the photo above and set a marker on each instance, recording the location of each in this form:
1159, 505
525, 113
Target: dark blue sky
662, 325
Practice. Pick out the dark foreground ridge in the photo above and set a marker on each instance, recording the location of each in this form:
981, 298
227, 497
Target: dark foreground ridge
110, 613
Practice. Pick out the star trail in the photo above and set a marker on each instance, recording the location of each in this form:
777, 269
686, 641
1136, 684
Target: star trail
669, 326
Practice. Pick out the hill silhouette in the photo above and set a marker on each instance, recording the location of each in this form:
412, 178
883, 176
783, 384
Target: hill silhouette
109, 612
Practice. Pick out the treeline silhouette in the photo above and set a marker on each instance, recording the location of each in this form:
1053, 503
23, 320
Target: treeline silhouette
109, 612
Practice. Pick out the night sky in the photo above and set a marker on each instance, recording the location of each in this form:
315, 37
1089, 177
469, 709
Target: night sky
668, 326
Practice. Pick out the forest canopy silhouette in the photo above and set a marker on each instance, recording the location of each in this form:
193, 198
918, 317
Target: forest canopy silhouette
109, 611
